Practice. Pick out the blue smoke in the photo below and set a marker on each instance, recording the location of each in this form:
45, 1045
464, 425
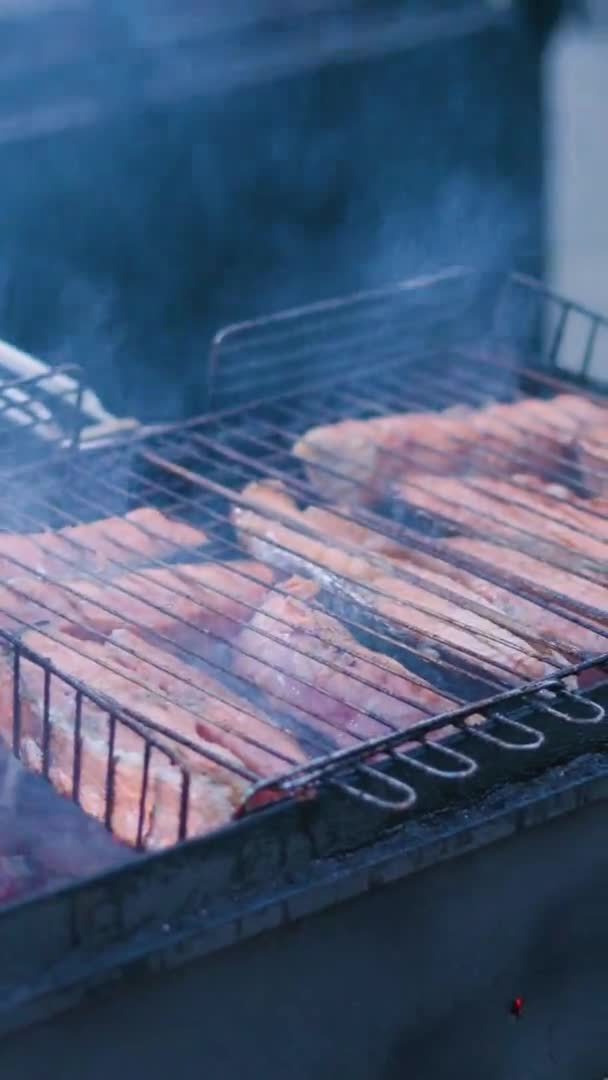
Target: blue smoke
125, 244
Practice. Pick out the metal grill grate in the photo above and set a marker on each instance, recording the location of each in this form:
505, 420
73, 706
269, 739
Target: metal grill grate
253, 688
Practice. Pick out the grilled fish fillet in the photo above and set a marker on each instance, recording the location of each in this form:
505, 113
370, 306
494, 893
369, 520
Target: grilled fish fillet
565, 636
527, 519
420, 614
215, 791
475, 588
354, 460
324, 676
596, 505
221, 716
104, 546
531, 433
187, 607
175, 696
538, 574
263, 533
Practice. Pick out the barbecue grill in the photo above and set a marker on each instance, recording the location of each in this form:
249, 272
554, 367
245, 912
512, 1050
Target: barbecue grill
402, 865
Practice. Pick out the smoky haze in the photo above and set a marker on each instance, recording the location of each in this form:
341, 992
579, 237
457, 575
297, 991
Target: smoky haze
176, 181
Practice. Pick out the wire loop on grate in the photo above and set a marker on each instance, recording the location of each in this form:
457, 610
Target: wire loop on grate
581, 710
535, 738
467, 765
405, 795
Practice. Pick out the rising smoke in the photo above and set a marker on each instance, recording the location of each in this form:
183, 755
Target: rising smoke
125, 244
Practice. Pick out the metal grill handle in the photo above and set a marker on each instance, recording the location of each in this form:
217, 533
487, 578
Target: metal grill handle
27, 374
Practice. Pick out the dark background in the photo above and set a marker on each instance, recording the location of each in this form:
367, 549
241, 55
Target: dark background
125, 243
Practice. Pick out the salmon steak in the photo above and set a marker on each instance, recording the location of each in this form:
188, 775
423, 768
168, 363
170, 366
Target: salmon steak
186, 608
355, 460
564, 587
527, 520
223, 761
104, 546
388, 589
315, 669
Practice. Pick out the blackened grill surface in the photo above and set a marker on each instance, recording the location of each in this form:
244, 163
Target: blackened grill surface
197, 473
